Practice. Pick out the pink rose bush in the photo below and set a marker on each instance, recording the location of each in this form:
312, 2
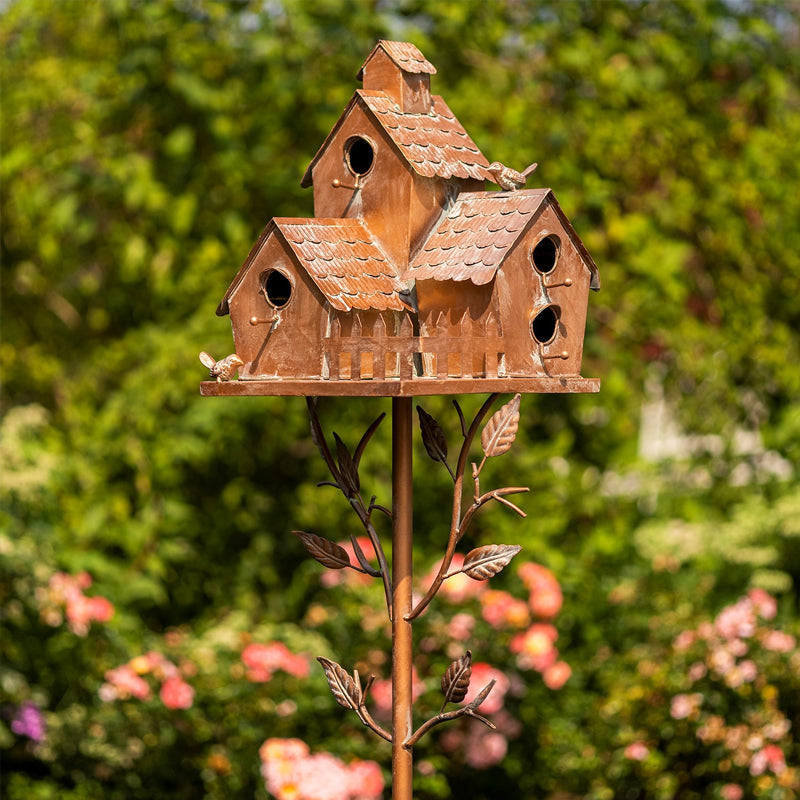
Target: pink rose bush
264, 660
732, 707
291, 772
64, 597
128, 681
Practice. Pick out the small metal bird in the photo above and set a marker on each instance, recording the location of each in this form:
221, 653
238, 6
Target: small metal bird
224, 369
509, 179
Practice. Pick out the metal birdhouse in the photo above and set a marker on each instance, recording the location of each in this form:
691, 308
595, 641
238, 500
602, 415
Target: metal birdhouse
411, 279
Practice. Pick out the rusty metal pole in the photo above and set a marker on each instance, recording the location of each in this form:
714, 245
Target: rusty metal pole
402, 644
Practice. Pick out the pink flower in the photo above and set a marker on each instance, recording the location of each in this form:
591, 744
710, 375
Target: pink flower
381, 692
535, 647
499, 609
778, 642
366, 780
292, 773
484, 748
768, 758
482, 673
460, 627
684, 640
736, 621
684, 705
263, 660
100, 609
637, 751
65, 591
176, 693
283, 750
546, 598
697, 671
557, 675
765, 604
748, 670
125, 683
731, 791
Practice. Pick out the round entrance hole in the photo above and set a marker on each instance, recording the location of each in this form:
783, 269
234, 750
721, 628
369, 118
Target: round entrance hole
545, 324
359, 154
545, 254
277, 288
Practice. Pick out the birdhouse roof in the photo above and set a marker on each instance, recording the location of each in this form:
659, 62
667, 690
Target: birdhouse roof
479, 230
434, 144
404, 54
341, 257
346, 263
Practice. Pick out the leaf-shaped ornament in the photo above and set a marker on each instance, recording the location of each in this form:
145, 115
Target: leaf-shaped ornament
455, 682
345, 689
432, 436
347, 468
500, 431
485, 562
329, 554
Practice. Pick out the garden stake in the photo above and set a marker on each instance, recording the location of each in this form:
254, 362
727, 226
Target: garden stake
411, 280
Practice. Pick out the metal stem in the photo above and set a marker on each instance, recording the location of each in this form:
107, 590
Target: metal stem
402, 644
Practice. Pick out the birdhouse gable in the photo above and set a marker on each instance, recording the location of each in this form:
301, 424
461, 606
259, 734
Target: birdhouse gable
342, 258
476, 234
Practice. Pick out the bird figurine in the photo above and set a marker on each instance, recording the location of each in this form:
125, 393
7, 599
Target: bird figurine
509, 179
224, 369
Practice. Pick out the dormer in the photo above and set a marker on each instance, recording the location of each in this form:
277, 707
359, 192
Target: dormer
400, 71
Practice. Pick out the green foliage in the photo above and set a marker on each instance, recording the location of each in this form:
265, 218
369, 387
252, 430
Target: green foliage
144, 147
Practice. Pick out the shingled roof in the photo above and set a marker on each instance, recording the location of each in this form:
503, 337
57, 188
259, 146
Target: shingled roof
405, 55
473, 238
433, 144
343, 259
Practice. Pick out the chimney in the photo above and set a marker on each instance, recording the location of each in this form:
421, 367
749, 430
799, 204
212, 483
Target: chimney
399, 70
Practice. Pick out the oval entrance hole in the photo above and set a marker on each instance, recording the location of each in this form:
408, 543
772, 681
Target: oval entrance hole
359, 154
545, 254
277, 288
544, 324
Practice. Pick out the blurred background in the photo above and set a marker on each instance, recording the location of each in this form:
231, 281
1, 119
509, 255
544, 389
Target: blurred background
160, 623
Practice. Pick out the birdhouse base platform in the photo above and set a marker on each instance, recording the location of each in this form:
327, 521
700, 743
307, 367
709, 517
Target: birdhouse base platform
418, 387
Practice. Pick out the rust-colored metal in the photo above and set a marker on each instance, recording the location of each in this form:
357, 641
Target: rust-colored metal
410, 270
402, 575
411, 279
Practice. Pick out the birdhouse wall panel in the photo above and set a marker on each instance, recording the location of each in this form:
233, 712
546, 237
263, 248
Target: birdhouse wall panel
382, 196
416, 93
380, 73
543, 295
285, 341
452, 299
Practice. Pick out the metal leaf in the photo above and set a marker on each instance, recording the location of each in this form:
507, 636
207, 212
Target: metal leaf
455, 682
345, 689
432, 436
347, 468
500, 431
329, 554
485, 562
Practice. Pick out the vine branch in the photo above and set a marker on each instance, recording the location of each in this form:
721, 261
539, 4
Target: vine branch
353, 494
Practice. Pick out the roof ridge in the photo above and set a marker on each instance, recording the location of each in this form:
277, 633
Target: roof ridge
405, 55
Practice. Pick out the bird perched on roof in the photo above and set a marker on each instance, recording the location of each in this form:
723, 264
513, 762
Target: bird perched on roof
509, 179
224, 369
